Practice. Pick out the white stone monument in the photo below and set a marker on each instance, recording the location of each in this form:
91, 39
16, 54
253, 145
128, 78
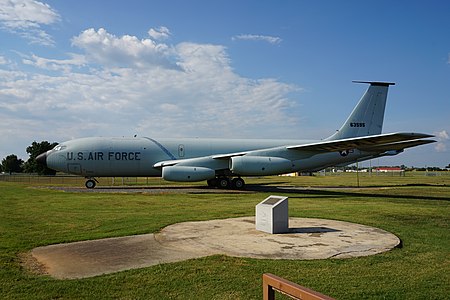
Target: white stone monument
272, 215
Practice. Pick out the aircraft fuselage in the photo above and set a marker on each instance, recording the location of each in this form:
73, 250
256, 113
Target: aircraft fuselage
96, 157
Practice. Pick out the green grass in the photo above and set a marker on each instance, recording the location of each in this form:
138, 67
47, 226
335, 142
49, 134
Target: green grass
414, 207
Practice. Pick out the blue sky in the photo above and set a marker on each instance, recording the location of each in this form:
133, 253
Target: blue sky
242, 69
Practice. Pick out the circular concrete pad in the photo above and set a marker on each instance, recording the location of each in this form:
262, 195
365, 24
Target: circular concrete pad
306, 239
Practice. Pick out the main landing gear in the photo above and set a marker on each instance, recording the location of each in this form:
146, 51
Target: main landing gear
227, 183
91, 182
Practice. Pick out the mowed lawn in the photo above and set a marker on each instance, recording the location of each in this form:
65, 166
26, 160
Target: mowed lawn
415, 207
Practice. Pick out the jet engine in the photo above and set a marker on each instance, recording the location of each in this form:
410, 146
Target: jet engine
260, 165
186, 173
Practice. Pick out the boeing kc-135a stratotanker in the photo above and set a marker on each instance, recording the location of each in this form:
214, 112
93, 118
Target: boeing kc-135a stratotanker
223, 162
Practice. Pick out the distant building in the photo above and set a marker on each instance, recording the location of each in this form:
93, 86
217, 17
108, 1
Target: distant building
390, 170
298, 174
357, 171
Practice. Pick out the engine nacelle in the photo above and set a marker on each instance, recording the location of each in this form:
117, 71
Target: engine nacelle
186, 173
260, 165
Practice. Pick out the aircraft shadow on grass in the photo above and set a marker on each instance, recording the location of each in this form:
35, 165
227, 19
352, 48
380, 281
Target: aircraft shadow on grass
325, 193
300, 192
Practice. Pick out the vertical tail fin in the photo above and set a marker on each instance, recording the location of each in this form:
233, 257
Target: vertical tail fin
367, 117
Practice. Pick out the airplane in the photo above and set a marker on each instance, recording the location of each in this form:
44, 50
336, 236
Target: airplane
223, 162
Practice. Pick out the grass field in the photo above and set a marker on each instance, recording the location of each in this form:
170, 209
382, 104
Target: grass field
415, 207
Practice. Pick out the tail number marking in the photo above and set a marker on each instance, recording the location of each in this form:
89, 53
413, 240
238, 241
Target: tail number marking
357, 124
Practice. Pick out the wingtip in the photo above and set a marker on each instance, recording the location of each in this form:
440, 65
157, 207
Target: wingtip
418, 134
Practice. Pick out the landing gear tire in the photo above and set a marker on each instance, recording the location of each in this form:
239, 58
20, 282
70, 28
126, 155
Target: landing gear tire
238, 183
223, 183
90, 184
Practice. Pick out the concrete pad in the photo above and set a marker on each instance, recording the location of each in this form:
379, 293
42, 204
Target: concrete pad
307, 239
96, 257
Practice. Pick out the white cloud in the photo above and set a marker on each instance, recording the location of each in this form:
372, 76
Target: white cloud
161, 33
25, 17
257, 37
203, 58
442, 137
126, 51
3, 60
66, 65
144, 93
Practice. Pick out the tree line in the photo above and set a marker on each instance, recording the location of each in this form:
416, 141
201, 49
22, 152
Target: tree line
12, 164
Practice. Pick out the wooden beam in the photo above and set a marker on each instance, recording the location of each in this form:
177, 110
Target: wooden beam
272, 283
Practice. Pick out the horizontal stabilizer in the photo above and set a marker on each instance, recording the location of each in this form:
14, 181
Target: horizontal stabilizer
363, 142
377, 83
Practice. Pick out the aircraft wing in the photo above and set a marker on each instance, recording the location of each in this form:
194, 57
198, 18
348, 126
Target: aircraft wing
372, 142
397, 146
167, 163
174, 162
229, 155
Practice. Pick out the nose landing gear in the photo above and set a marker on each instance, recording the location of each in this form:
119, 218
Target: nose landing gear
91, 182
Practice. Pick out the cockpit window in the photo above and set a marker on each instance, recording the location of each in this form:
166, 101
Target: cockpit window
59, 147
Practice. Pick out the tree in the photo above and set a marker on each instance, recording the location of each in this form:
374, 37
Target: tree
31, 166
12, 164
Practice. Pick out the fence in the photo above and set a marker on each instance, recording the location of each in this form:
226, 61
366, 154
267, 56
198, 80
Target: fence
76, 180
272, 283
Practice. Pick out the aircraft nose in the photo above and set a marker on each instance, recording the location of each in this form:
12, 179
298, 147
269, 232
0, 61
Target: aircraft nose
42, 159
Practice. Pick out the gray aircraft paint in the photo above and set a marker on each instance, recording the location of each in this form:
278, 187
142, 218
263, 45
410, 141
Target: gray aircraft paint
101, 156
